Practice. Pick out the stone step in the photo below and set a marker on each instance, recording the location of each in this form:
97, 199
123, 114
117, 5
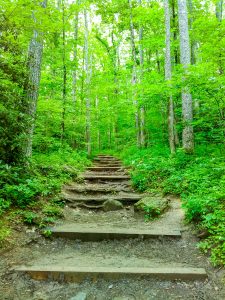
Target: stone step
106, 177
79, 273
87, 234
127, 198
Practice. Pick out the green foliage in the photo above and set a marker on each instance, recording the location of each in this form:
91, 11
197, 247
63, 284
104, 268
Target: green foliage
151, 212
52, 211
4, 233
43, 178
47, 233
29, 217
200, 181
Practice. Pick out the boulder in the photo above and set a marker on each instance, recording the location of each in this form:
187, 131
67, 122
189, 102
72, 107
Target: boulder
111, 205
152, 206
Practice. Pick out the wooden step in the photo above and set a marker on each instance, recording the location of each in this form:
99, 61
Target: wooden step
105, 168
92, 188
77, 274
128, 198
107, 161
106, 177
106, 156
84, 233
103, 165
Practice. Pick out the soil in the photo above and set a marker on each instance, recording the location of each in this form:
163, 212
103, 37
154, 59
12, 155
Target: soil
28, 246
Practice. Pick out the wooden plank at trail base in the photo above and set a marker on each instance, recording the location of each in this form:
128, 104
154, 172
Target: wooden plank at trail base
99, 234
78, 274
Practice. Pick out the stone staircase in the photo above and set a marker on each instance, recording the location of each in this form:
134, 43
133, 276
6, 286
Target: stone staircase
108, 257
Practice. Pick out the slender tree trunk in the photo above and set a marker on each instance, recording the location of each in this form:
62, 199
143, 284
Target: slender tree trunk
176, 57
97, 119
142, 109
75, 60
158, 61
185, 53
219, 10
168, 76
31, 88
88, 79
134, 74
64, 90
193, 42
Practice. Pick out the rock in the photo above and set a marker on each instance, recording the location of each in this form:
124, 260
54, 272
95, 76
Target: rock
111, 205
79, 296
152, 206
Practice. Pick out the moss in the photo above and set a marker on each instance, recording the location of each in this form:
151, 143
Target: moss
152, 206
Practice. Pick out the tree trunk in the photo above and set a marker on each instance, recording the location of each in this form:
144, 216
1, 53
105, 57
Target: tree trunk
64, 90
97, 120
75, 60
185, 53
168, 77
142, 109
219, 10
31, 88
88, 79
134, 74
176, 57
193, 43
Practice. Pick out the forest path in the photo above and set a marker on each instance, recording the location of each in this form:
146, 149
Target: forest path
97, 253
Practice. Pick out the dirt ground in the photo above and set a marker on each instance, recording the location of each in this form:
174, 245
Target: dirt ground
28, 246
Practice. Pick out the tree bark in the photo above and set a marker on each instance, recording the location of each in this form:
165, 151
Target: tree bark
185, 53
31, 88
134, 74
75, 60
219, 10
142, 109
168, 77
64, 90
88, 79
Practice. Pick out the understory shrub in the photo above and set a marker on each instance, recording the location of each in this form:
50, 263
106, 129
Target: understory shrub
44, 177
200, 181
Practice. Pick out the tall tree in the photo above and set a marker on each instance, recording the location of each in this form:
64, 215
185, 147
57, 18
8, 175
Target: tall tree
87, 63
134, 73
142, 109
64, 86
168, 76
75, 59
33, 81
219, 10
185, 56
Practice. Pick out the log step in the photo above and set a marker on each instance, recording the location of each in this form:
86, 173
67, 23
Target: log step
106, 177
78, 274
106, 168
87, 234
122, 198
90, 188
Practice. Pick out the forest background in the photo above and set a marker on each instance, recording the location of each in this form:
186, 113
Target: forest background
142, 80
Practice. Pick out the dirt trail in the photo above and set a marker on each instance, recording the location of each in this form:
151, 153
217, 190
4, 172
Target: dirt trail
33, 249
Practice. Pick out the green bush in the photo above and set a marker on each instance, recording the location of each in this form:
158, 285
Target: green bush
44, 177
200, 181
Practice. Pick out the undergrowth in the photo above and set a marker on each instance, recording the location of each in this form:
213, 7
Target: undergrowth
200, 181
32, 191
